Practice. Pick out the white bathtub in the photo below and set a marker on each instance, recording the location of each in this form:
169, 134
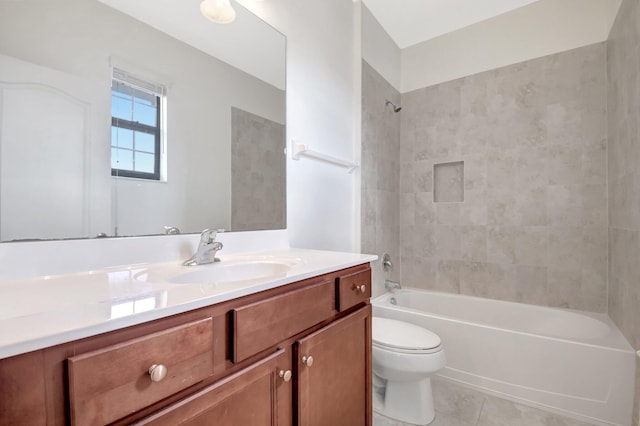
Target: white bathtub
570, 362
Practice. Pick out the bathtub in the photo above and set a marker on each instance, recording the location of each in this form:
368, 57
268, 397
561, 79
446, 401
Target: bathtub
573, 363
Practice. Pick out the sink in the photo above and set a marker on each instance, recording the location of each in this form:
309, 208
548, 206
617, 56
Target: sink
232, 272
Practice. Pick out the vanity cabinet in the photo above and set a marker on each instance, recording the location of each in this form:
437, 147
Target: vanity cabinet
106, 384
299, 354
249, 397
332, 370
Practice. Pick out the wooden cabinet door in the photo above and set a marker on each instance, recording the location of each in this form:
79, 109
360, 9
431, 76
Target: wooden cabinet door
335, 388
255, 396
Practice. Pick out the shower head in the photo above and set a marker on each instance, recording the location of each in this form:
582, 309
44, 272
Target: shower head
394, 106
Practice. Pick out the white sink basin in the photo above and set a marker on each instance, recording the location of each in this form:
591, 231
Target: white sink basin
232, 272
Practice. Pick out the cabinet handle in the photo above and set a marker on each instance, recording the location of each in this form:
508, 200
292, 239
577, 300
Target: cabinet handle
362, 288
286, 375
307, 360
157, 372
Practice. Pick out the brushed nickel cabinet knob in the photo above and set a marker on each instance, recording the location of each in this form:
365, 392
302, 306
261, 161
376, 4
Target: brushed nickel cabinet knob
157, 372
307, 360
286, 375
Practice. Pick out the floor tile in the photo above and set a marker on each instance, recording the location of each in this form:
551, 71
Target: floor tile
457, 401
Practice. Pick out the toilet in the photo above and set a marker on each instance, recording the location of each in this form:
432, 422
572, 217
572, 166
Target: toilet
404, 357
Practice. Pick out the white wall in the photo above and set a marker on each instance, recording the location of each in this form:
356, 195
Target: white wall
539, 29
379, 50
323, 79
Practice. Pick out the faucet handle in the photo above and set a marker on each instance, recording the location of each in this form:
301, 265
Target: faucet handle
171, 230
209, 235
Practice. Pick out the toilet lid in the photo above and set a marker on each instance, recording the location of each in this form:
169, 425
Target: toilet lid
402, 335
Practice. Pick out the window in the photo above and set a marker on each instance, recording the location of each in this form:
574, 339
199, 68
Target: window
136, 127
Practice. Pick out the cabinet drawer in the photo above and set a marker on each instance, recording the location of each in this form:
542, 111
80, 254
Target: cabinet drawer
108, 384
249, 397
263, 324
350, 289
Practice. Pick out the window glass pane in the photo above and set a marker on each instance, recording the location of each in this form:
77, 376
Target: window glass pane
145, 142
121, 89
121, 108
123, 138
144, 114
114, 136
145, 98
137, 109
144, 162
124, 159
114, 158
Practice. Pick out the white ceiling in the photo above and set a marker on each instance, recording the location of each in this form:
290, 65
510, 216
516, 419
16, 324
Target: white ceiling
409, 22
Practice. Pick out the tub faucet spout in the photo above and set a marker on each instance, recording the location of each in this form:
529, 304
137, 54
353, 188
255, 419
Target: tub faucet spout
207, 249
392, 285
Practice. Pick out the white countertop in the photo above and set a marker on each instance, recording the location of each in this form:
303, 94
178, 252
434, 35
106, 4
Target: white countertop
44, 311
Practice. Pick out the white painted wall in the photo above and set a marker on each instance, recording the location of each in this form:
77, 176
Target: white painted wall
539, 29
379, 50
323, 79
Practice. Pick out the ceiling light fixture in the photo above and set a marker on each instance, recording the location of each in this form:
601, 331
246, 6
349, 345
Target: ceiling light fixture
219, 11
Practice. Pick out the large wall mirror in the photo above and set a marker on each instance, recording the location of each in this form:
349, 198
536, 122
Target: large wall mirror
127, 118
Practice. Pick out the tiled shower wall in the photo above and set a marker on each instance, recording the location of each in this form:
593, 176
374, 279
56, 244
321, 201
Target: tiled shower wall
380, 172
532, 226
624, 177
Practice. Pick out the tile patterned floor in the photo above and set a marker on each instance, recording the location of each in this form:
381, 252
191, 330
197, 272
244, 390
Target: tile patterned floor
459, 406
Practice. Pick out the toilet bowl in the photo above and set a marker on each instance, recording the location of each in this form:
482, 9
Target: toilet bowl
404, 357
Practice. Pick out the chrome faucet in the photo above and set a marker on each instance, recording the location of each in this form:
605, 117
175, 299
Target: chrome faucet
207, 249
392, 285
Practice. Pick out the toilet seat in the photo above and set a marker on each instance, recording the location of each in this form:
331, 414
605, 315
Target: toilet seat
402, 337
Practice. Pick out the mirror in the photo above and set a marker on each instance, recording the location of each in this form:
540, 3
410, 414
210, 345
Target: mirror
138, 118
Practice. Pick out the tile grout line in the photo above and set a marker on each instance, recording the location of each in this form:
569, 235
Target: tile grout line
484, 401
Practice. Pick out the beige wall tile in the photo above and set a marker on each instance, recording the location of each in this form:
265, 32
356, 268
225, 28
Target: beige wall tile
532, 206
448, 276
594, 204
382, 207
565, 205
623, 158
425, 209
418, 272
565, 248
473, 243
564, 288
490, 280
534, 148
532, 245
448, 242
565, 163
447, 213
473, 211
501, 244
531, 284
636, 402
502, 209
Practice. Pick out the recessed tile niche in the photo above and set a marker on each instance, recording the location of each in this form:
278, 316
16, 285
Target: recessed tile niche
448, 182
